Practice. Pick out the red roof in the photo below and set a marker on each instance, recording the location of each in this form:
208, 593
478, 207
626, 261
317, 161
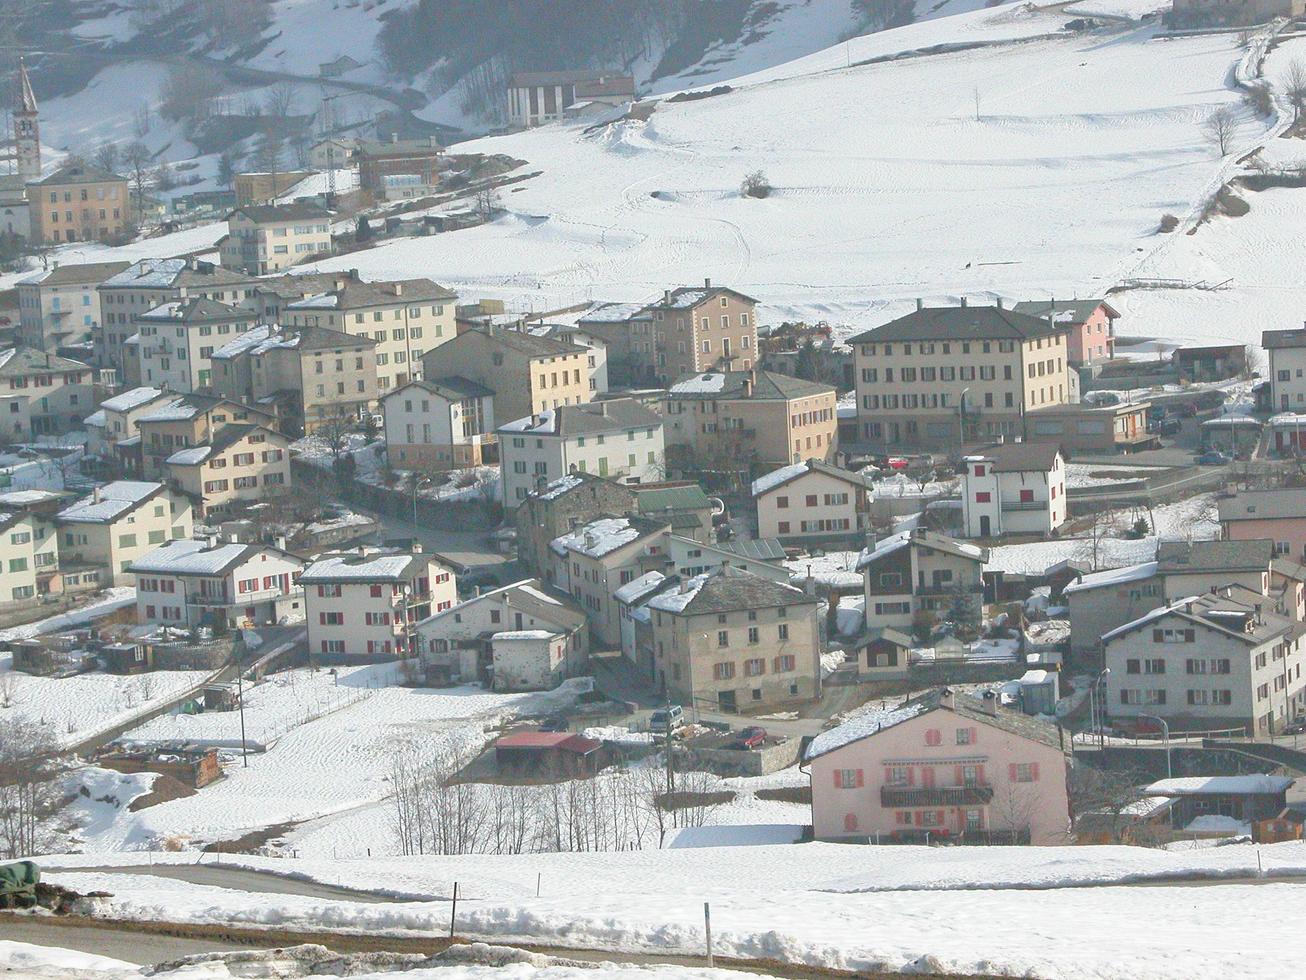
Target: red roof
564, 741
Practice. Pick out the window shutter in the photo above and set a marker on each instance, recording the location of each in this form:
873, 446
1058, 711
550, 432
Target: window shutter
321, 619
861, 778
974, 736
888, 776
1011, 771
911, 776
838, 781
979, 775
920, 818
1190, 636
933, 736
939, 817
850, 821
927, 778
1033, 771
961, 776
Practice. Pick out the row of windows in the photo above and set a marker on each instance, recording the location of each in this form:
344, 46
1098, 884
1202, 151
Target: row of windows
756, 667
1193, 665
244, 483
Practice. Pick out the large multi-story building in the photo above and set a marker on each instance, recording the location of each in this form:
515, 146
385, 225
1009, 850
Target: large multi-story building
79, 203
178, 338
619, 439
29, 547
812, 501
191, 582
407, 318
185, 421
366, 603
913, 579
147, 285
732, 641
1013, 488
729, 420
627, 332
399, 170
61, 306
1216, 660
536, 97
527, 374
703, 328
311, 374
264, 238
1286, 350
42, 393
238, 463
438, 423
945, 376
117, 523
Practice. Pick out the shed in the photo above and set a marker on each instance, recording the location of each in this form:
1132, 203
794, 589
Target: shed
221, 697
549, 754
1243, 798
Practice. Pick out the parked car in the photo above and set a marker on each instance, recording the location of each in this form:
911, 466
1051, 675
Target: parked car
751, 737
556, 723
1298, 727
668, 718
1168, 426
897, 463
1213, 457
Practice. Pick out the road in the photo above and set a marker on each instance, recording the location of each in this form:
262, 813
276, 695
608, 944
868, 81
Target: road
471, 548
243, 879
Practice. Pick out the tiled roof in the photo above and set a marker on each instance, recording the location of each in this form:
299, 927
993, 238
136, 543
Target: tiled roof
1219, 556
1065, 312
569, 421
767, 386
19, 362
726, 589
1254, 505
67, 275
957, 323
295, 211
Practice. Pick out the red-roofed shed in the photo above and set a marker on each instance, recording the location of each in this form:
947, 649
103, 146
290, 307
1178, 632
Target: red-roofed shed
547, 754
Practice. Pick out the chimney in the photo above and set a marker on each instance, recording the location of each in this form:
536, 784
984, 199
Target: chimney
416, 547
1000, 306
748, 384
963, 302
353, 274
707, 283
399, 288
339, 284
394, 137
666, 297
920, 305
603, 409
989, 703
590, 540
280, 542
946, 698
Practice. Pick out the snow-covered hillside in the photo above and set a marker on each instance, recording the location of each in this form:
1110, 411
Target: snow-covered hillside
889, 184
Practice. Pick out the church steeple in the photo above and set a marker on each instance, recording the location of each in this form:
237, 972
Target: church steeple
27, 128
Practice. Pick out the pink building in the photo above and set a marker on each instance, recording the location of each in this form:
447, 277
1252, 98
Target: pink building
942, 764
1090, 322
1277, 515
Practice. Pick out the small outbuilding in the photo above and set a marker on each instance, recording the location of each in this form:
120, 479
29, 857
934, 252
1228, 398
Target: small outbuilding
549, 754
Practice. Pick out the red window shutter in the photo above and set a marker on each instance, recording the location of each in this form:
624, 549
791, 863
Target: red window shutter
974, 736
321, 619
1011, 772
979, 775
961, 776
1033, 771
838, 783
927, 778
933, 736
939, 817
888, 776
324, 649
861, 778
1026, 496
911, 776
850, 821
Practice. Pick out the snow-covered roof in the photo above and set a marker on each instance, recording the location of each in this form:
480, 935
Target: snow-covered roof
1147, 617
24, 498
525, 635
177, 410
1113, 576
712, 382
867, 723
252, 337
674, 602
602, 537
777, 477
190, 456
110, 502
560, 486
186, 556
635, 588
386, 566
540, 424
884, 547
321, 301
1193, 785
96, 418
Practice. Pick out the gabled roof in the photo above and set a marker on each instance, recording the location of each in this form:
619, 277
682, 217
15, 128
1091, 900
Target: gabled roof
72, 274
871, 723
766, 386
1279, 339
1214, 556
533, 598
1112, 577
19, 362
196, 309
605, 535
591, 418
564, 485
174, 274
132, 398
110, 502
345, 292
925, 539
1065, 312
686, 297
615, 313
1020, 457
787, 474
295, 211
368, 566
517, 340
451, 388
1260, 505
958, 323
188, 556
728, 588
651, 500
80, 173
1217, 611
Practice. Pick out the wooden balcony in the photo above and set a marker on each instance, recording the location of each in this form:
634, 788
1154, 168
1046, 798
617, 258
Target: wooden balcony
905, 796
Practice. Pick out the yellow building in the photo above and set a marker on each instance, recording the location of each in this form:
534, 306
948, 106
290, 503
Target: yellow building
80, 203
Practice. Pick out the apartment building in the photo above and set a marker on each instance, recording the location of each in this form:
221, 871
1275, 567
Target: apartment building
149, 284
618, 439
407, 318
527, 374
177, 340
399, 170
60, 306
595, 559
367, 603
310, 374
1090, 326
1277, 515
811, 501
735, 641
537, 97
116, 418
626, 330
937, 767
707, 328
740, 417
42, 393
184, 421
913, 374
29, 548
1013, 488
264, 238
439, 422
191, 583
482, 639
79, 203
916, 578
238, 463
595, 343
554, 507
118, 523
1211, 661
1286, 350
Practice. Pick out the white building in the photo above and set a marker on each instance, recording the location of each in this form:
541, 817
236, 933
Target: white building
1014, 488
536, 97
812, 500
367, 602
263, 238
438, 422
177, 340
1212, 661
524, 634
618, 439
1287, 353
193, 583
61, 305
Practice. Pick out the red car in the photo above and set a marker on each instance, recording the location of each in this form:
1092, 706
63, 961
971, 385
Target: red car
896, 463
749, 738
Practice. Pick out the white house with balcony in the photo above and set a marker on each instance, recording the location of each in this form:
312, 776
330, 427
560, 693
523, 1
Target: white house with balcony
191, 582
1013, 488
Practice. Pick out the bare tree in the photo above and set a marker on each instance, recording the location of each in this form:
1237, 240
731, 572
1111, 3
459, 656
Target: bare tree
1220, 127
755, 184
1294, 87
487, 203
280, 101
136, 157
335, 429
1110, 795
29, 769
106, 156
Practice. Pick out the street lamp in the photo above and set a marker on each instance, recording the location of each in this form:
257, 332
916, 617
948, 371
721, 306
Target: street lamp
1165, 738
417, 485
1096, 714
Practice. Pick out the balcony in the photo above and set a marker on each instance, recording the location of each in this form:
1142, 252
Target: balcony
1024, 505
891, 796
946, 588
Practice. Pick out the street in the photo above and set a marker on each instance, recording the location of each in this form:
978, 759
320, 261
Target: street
470, 548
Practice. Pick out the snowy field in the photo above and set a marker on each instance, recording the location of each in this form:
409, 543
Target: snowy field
847, 907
